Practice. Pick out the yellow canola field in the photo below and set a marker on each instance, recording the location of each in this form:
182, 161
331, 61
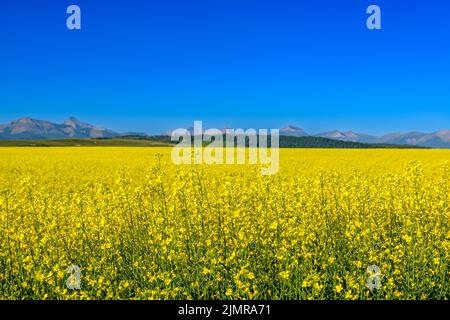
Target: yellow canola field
139, 227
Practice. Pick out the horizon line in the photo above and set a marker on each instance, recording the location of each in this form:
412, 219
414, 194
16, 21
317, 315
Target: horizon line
223, 127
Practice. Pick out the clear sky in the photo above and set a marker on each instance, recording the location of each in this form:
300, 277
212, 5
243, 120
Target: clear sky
153, 65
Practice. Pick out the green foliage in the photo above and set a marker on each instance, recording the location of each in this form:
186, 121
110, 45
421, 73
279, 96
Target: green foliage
150, 141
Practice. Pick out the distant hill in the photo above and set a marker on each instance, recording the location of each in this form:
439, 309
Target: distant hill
348, 136
293, 131
100, 142
320, 142
29, 129
439, 139
33, 129
163, 140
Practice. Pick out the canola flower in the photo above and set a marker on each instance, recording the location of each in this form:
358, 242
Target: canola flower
139, 227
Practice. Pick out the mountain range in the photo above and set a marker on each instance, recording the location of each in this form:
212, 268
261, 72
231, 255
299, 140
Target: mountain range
438, 139
33, 129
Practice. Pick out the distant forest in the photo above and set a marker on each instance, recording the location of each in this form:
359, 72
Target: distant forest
153, 141
302, 142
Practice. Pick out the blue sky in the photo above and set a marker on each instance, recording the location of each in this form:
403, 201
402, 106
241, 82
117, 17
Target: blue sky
154, 65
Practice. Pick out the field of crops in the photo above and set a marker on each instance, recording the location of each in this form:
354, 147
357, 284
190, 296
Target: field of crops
139, 227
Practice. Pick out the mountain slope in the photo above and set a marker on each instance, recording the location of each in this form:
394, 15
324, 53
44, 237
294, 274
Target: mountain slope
293, 131
72, 128
348, 136
33, 129
439, 139
410, 138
